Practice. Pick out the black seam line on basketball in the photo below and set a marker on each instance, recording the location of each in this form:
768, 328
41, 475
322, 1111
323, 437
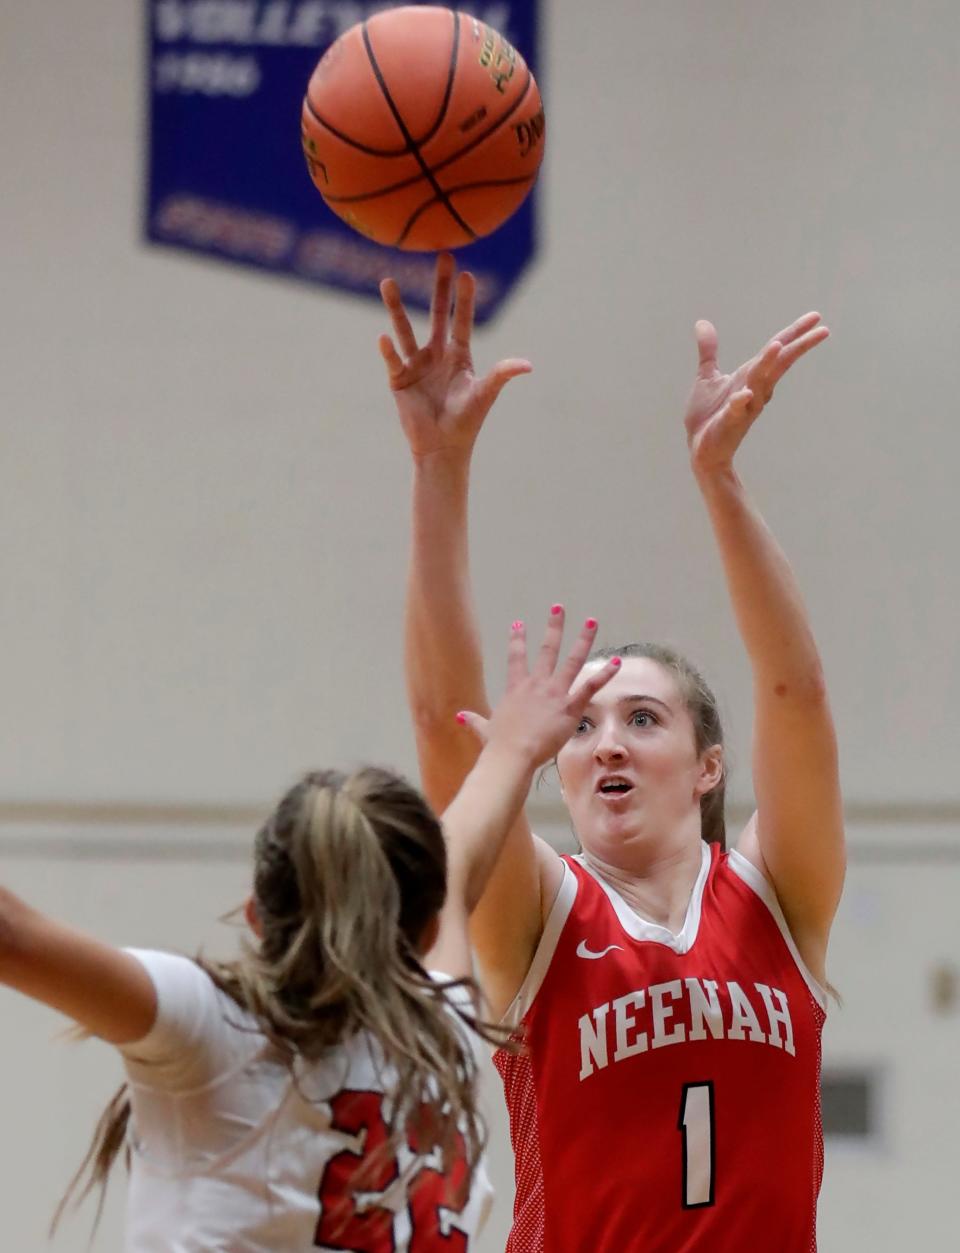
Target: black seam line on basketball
399, 152
373, 152
451, 74
490, 182
454, 156
413, 146
487, 182
478, 139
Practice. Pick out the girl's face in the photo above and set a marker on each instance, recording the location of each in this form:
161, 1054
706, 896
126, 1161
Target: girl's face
631, 770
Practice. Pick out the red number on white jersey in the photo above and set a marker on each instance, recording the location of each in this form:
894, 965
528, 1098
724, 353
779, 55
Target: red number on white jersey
342, 1224
350, 1217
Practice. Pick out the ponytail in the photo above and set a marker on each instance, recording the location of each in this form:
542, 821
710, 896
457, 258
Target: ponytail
350, 871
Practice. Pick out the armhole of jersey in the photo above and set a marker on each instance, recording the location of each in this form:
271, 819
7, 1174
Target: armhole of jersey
559, 913
758, 883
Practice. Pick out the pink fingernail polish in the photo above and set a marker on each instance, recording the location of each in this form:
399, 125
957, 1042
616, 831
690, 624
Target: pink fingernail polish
556, 609
591, 624
517, 626
616, 661
461, 718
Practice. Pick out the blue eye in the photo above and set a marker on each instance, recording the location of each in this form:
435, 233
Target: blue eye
582, 727
642, 713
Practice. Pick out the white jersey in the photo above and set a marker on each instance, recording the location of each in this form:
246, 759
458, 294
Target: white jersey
230, 1155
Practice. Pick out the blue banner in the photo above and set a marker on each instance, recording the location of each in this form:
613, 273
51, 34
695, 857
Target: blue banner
226, 174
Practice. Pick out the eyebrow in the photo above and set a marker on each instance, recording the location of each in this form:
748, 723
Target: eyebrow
637, 698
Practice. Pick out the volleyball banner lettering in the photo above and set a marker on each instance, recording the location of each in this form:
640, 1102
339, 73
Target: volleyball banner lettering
226, 173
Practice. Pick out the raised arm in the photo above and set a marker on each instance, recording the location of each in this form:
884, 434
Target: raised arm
796, 836
442, 405
105, 991
536, 715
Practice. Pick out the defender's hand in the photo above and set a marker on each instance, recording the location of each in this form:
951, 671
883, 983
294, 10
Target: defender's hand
539, 712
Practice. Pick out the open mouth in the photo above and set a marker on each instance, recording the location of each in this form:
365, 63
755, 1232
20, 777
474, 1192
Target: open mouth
614, 787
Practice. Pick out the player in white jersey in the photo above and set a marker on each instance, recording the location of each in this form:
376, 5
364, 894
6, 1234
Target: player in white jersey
318, 1092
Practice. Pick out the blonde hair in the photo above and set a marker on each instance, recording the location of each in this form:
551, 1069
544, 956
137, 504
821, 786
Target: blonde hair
349, 872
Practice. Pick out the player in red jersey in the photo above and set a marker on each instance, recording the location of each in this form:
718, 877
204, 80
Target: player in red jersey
671, 993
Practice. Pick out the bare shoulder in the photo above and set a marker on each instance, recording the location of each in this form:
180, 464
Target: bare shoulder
550, 873
507, 927
811, 942
748, 846
513, 986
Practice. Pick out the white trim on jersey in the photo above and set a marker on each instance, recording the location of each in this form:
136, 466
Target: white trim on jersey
641, 929
756, 880
559, 913
635, 926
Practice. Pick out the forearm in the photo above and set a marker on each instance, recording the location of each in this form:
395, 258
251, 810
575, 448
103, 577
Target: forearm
764, 593
444, 665
12, 912
477, 821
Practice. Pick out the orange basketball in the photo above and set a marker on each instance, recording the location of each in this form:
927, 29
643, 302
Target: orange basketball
423, 128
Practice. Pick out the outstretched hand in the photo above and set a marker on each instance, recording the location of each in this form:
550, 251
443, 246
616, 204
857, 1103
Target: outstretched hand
723, 407
441, 402
538, 712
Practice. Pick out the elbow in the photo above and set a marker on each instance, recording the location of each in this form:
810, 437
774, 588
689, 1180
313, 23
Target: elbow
433, 725
807, 688
428, 719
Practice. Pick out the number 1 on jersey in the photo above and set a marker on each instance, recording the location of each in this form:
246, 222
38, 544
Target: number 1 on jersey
695, 1125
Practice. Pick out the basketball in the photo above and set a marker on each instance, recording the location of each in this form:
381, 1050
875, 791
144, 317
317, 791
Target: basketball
423, 128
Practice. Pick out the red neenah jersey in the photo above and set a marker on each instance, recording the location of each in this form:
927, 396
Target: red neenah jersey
668, 1100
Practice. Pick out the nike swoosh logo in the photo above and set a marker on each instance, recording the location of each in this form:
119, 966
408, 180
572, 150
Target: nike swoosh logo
583, 951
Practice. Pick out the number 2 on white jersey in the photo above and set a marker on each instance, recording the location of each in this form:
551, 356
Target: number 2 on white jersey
696, 1128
